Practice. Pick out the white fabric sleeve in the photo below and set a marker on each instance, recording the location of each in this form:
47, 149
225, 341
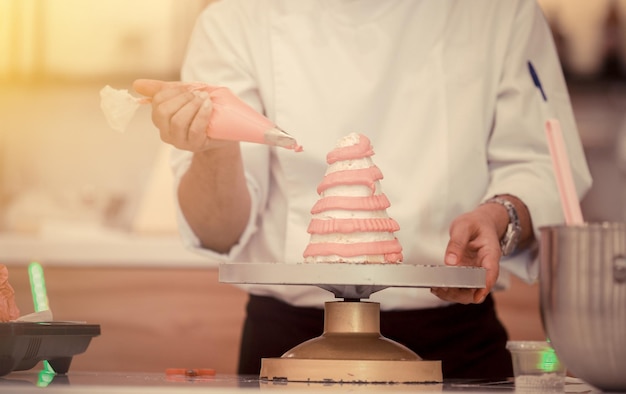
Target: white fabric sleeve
180, 161
213, 58
518, 154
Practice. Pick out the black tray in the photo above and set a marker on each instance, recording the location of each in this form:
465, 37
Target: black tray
23, 345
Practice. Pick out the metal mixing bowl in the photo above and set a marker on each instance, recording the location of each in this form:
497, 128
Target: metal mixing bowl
583, 300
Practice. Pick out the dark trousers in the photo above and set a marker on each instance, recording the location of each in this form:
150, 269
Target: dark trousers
468, 339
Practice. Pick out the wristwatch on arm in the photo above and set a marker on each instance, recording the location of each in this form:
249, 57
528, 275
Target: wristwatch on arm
510, 239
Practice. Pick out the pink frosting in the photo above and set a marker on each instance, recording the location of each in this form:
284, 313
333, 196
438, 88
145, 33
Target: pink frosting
346, 226
375, 202
352, 152
391, 249
362, 176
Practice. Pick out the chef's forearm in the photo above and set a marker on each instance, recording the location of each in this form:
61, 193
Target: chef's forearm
214, 197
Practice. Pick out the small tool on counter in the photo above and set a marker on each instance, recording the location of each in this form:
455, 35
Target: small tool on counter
190, 372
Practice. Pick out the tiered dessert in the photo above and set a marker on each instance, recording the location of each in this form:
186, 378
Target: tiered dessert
350, 226
349, 222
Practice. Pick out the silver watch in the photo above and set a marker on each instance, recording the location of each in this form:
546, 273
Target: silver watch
511, 237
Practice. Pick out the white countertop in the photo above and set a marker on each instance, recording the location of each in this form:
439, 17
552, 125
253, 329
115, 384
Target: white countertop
90, 245
119, 382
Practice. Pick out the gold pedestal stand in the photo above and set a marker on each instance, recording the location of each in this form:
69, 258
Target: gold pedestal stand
351, 349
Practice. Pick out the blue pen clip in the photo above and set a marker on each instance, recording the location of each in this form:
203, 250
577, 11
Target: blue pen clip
536, 80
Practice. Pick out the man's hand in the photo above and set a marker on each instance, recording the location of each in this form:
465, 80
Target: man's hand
181, 111
475, 241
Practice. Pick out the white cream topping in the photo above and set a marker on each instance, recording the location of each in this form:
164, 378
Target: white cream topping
352, 238
355, 164
346, 214
351, 190
348, 140
374, 258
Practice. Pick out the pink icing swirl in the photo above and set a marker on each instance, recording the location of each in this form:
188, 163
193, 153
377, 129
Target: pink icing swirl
362, 149
362, 176
347, 226
391, 249
368, 203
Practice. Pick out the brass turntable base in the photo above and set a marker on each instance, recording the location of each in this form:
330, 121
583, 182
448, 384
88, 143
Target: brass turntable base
351, 350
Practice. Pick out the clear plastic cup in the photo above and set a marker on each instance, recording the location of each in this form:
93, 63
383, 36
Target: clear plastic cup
536, 366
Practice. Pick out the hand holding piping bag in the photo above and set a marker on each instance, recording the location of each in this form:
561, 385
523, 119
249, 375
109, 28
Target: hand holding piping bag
192, 116
8, 308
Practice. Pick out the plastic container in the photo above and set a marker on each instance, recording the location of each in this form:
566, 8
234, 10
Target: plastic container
536, 366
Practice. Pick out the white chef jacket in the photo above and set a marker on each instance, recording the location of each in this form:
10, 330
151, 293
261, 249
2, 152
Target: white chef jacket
441, 88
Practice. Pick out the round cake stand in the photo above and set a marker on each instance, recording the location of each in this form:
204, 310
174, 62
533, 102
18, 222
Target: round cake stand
351, 348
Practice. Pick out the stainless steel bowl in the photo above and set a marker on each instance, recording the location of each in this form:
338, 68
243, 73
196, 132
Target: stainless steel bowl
583, 300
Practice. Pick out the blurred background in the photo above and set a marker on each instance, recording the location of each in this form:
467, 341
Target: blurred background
95, 206
59, 161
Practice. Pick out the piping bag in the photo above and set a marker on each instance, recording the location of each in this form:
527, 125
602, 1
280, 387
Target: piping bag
231, 118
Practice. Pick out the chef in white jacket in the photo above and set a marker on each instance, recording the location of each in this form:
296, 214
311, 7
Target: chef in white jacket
443, 91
